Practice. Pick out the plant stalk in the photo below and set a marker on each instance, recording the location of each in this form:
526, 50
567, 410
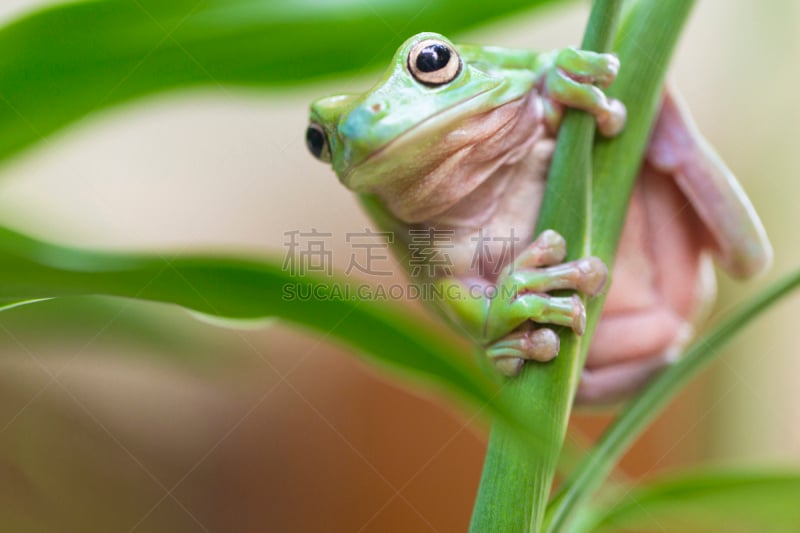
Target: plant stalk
516, 484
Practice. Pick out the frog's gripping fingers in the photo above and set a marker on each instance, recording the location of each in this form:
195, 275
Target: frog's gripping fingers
537, 307
522, 294
587, 275
571, 82
563, 90
588, 67
509, 353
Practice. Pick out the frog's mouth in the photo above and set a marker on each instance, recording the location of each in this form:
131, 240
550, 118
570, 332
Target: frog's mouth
431, 127
430, 169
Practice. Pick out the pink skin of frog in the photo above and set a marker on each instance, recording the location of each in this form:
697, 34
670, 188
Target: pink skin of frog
686, 207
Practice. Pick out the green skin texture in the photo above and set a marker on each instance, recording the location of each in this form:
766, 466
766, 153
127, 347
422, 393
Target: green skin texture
490, 77
373, 137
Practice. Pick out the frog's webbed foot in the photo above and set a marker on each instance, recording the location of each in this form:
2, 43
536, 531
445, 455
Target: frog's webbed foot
521, 300
574, 80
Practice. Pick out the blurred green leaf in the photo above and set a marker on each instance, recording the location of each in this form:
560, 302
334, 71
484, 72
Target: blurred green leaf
640, 411
247, 290
75, 323
730, 501
64, 62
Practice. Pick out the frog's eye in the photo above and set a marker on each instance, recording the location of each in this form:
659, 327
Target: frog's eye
317, 142
433, 62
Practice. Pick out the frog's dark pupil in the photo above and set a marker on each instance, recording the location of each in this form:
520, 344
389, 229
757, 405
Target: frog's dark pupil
433, 57
315, 140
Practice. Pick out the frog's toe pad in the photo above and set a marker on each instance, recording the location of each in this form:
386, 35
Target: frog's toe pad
592, 275
551, 246
612, 120
548, 249
507, 365
542, 345
578, 315
528, 344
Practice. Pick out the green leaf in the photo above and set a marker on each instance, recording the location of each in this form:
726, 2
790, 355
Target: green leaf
64, 62
645, 406
731, 501
246, 290
171, 335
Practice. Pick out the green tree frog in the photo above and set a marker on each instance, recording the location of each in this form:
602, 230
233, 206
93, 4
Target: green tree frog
455, 142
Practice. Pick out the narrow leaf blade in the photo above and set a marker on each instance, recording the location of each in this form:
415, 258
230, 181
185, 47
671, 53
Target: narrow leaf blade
735, 501
243, 289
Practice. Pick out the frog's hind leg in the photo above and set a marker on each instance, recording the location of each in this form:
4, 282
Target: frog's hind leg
678, 149
612, 384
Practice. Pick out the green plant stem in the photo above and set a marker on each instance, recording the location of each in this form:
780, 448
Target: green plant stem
516, 483
644, 45
640, 411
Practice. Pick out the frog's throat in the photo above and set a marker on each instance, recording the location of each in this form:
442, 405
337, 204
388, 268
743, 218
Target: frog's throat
414, 130
418, 190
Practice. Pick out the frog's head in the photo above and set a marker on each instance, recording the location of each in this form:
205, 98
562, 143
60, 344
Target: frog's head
438, 108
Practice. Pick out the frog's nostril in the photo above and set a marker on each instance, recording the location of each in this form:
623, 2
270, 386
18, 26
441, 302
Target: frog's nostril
360, 124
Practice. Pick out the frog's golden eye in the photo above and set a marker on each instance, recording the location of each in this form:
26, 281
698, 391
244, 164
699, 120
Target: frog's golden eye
433, 62
317, 142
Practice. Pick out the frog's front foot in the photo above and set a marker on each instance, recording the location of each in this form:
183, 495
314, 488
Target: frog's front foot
574, 80
521, 302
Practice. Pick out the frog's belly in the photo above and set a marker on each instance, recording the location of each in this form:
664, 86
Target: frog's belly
496, 221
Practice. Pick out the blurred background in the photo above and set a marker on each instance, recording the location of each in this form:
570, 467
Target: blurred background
120, 416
